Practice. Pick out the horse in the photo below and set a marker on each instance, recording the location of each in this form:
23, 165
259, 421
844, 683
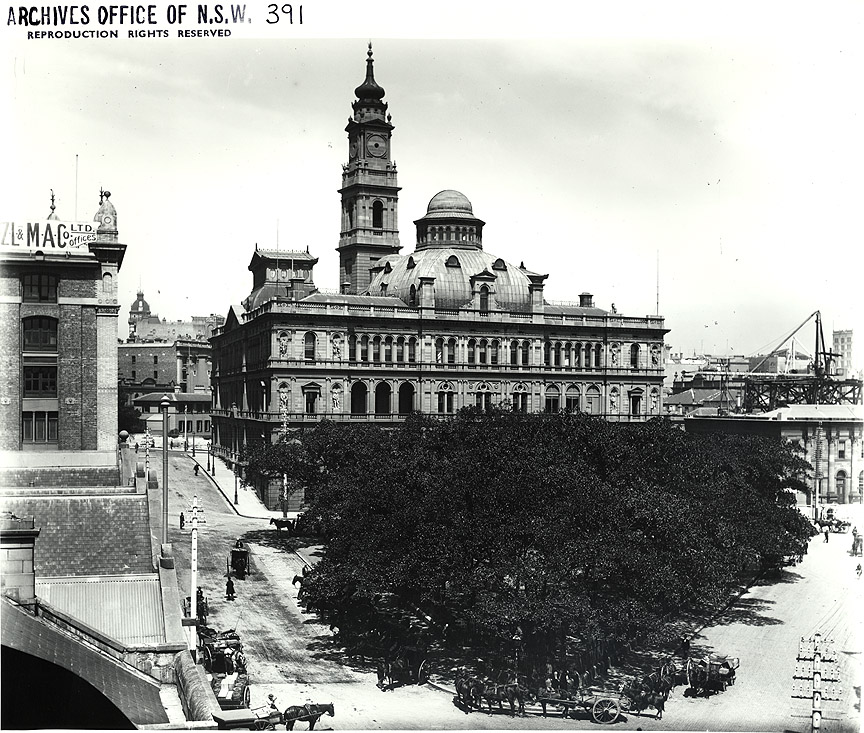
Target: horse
308, 713
464, 687
299, 579
283, 524
511, 692
643, 697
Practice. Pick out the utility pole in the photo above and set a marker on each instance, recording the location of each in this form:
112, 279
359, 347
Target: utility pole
817, 676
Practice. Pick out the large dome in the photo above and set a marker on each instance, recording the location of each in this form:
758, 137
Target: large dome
450, 203
140, 305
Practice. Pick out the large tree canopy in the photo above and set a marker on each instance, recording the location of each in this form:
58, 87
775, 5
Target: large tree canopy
546, 523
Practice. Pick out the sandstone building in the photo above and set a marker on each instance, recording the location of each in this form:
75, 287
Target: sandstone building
445, 326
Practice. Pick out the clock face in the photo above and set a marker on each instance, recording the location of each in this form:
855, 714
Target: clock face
376, 146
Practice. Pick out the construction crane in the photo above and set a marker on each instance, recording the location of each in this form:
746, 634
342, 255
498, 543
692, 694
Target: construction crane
765, 392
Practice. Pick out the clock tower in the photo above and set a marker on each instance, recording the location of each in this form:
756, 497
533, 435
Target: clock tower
370, 195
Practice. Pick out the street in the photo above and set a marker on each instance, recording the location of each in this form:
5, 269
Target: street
292, 656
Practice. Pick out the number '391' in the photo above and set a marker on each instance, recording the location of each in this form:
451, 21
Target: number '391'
290, 13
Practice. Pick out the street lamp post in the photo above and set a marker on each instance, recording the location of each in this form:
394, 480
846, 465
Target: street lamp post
208, 456
235, 484
163, 406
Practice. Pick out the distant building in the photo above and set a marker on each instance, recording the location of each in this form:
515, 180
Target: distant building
145, 326
447, 326
846, 361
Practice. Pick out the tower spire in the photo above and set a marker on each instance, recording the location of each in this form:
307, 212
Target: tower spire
369, 90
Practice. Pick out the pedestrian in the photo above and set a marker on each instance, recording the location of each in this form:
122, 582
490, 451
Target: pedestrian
229, 589
197, 468
136, 447
826, 534
182, 520
858, 570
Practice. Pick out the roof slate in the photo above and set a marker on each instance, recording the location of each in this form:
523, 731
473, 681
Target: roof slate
88, 535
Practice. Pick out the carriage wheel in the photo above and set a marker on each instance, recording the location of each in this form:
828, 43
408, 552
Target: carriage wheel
264, 725
208, 658
605, 710
422, 672
246, 698
690, 674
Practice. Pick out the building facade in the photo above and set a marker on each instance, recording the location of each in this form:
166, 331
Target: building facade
447, 326
58, 371
846, 362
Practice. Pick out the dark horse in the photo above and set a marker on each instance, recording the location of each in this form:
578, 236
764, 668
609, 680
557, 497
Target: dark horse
643, 697
464, 691
511, 692
307, 713
283, 524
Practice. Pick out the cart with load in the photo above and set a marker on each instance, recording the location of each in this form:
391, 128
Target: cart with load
231, 690
711, 673
221, 652
604, 706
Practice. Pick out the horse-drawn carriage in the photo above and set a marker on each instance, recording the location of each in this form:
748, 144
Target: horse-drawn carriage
711, 673
268, 717
408, 665
238, 560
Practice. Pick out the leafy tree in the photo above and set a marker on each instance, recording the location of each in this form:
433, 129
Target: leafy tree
129, 419
555, 525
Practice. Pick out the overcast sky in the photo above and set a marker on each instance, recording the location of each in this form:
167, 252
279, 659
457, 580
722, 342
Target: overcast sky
729, 152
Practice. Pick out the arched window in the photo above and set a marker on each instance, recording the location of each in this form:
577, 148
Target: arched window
553, 399
400, 350
453, 261
840, 483
634, 356
592, 400
520, 398
598, 349
352, 348
358, 398
472, 351
451, 351
484, 352
406, 398
107, 282
364, 348
388, 349
40, 333
382, 398
526, 351
309, 346
514, 347
376, 348
572, 401
577, 355
412, 349
547, 353
636, 402
483, 397
377, 215
439, 351
412, 295
445, 399
494, 347
484, 299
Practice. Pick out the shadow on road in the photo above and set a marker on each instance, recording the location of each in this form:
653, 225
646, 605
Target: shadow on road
748, 611
783, 576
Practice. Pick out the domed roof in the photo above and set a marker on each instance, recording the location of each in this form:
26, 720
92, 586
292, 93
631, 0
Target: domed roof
451, 202
454, 269
140, 305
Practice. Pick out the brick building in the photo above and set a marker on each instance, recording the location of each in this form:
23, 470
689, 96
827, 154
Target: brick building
446, 326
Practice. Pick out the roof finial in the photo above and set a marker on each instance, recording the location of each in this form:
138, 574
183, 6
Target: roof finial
101, 195
52, 201
369, 52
